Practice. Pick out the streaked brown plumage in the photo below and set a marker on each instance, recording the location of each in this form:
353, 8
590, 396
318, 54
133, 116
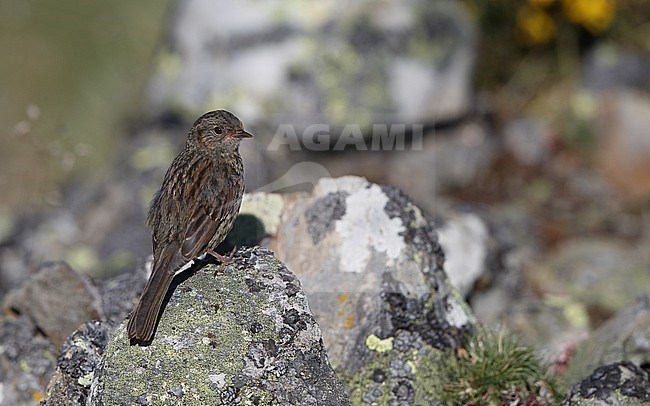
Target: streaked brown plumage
194, 210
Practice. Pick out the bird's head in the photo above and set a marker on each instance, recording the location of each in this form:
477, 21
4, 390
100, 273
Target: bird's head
216, 132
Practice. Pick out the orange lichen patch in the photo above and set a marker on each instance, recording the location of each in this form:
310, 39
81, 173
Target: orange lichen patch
349, 321
344, 311
38, 396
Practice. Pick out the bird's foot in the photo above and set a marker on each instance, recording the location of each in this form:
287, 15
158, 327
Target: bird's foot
225, 260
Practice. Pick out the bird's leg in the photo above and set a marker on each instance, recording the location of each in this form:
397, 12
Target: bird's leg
225, 260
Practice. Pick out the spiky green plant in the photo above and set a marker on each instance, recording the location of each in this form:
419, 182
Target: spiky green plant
494, 369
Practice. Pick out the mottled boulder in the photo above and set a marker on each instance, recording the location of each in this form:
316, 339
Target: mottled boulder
621, 383
371, 266
360, 249
240, 335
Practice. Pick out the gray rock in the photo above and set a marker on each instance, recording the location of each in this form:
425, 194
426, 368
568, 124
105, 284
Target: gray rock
241, 335
49, 304
625, 337
330, 63
80, 355
120, 292
26, 360
552, 301
57, 300
529, 140
512, 244
621, 383
603, 274
608, 66
464, 239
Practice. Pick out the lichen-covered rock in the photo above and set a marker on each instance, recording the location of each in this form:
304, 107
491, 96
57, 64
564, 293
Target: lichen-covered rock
80, 355
621, 383
371, 265
242, 334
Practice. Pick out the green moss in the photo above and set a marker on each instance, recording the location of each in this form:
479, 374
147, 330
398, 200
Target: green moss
427, 382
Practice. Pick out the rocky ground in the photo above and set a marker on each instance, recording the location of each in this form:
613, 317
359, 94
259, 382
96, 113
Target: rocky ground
370, 297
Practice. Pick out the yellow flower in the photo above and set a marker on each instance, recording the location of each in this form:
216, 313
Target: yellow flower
535, 26
594, 15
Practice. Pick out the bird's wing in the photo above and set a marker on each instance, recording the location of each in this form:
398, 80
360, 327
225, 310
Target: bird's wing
173, 254
199, 231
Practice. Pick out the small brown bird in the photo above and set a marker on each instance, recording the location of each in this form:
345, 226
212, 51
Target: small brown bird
194, 209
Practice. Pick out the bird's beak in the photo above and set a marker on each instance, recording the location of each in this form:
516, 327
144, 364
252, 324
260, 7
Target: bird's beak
240, 134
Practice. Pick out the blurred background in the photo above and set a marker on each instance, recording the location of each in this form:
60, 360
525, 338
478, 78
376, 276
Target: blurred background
535, 117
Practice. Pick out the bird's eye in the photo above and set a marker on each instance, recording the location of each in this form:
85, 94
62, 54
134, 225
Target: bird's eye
217, 130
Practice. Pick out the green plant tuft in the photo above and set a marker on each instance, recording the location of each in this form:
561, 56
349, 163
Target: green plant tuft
494, 369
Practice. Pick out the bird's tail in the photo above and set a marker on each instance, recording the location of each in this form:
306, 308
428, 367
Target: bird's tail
143, 320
